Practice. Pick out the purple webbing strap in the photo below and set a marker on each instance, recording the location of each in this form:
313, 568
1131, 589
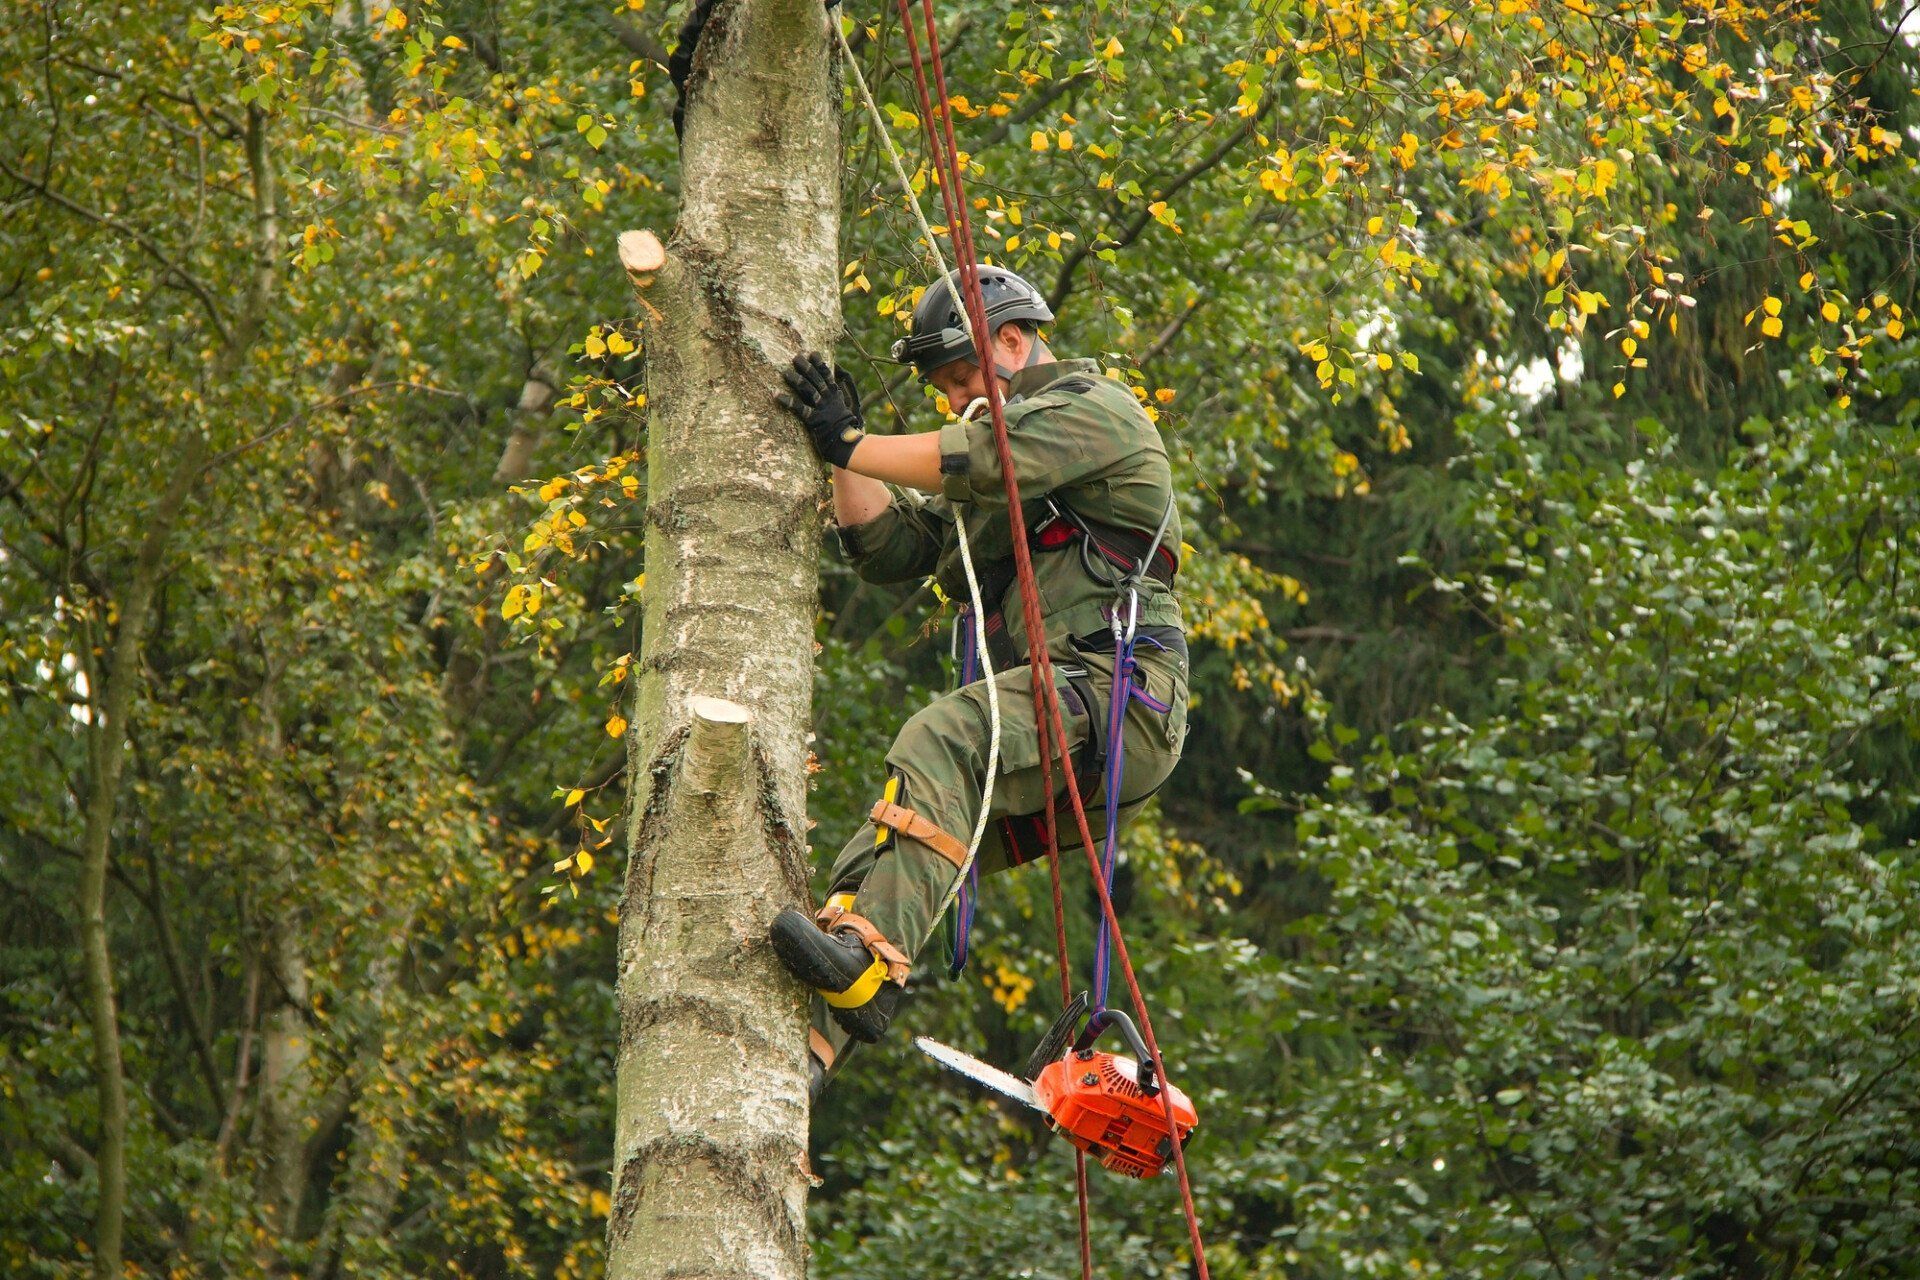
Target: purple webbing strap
1116, 737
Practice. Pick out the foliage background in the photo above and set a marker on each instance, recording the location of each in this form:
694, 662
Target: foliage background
1536, 898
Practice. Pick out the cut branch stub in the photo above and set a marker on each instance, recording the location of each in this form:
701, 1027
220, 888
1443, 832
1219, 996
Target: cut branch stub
642, 254
716, 759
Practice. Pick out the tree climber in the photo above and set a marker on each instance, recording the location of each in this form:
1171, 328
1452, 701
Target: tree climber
1096, 488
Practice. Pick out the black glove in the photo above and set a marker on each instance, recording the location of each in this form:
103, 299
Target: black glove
826, 404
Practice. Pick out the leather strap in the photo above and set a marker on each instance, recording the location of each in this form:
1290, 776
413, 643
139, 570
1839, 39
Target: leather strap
910, 824
821, 1048
835, 918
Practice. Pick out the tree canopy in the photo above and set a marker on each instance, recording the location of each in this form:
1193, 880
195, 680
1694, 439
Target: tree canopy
1536, 897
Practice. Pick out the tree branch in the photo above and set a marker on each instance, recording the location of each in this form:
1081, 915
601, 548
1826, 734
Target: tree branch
192, 283
1130, 231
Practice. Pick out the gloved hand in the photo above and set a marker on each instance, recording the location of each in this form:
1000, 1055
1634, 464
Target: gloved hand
826, 404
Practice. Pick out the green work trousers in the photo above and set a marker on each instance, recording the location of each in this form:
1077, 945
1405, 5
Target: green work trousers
900, 883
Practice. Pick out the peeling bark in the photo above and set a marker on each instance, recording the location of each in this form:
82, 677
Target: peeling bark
711, 1108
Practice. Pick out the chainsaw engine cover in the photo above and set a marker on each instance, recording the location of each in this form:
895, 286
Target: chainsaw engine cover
1095, 1099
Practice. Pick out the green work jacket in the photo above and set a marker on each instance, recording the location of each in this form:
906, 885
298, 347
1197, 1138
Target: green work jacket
1075, 435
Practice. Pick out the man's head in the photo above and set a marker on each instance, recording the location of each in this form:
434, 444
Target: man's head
1016, 344
937, 340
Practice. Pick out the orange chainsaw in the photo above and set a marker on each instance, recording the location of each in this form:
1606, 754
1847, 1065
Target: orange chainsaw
1108, 1106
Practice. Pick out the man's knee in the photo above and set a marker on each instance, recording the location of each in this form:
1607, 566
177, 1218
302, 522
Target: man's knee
942, 739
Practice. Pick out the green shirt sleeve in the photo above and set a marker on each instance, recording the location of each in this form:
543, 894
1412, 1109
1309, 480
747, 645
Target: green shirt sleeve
901, 543
1057, 439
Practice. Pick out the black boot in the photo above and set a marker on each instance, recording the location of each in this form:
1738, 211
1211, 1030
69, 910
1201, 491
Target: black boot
832, 963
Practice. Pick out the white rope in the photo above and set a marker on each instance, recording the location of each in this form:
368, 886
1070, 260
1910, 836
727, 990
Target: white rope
959, 520
993, 692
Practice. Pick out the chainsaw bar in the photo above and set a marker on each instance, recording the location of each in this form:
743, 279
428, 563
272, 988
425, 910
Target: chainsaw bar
972, 1068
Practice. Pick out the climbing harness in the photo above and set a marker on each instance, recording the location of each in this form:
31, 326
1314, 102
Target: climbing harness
943, 151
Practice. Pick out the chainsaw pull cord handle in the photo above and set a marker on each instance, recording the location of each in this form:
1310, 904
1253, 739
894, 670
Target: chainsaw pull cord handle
1105, 1018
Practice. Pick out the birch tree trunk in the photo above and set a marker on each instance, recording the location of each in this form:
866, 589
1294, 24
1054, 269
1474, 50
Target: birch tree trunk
711, 1117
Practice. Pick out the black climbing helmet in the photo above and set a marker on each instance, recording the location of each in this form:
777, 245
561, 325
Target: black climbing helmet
938, 335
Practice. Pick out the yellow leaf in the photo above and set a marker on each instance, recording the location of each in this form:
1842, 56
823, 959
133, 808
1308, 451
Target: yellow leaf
616, 725
1382, 360
1164, 395
565, 864
453, 42
515, 602
1113, 48
1038, 141
575, 796
396, 18
583, 861
618, 343
1895, 328
1013, 242
1830, 312
1806, 280
1771, 326
1619, 389
1065, 140
1771, 305
596, 346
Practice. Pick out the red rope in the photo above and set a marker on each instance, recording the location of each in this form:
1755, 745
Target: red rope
946, 158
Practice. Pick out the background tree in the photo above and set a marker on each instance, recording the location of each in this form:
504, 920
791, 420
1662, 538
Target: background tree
1533, 898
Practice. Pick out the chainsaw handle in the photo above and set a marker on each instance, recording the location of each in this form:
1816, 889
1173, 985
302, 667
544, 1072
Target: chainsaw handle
1099, 1022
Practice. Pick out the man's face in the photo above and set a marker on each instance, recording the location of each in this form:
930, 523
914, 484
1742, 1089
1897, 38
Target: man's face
962, 382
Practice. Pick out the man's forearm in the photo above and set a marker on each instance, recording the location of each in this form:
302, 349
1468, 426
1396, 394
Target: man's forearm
912, 461
857, 498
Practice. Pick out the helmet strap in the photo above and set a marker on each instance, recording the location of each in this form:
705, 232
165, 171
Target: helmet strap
1033, 358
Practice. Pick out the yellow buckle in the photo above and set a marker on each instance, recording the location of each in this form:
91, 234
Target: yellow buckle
862, 989
891, 794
